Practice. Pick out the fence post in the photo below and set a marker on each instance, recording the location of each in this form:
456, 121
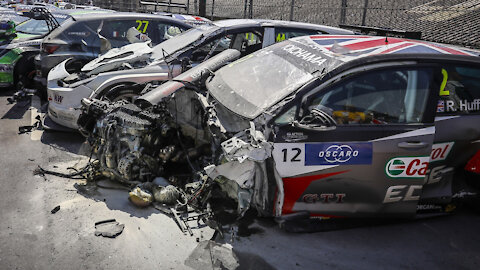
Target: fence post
245, 9
365, 6
250, 11
213, 6
343, 12
202, 8
292, 6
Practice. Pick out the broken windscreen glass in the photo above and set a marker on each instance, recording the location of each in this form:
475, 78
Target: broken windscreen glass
254, 83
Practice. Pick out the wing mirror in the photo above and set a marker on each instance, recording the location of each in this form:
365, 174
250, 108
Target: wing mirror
319, 118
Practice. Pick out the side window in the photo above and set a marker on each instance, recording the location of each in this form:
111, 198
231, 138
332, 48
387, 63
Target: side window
247, 43
282, 34
82, 30
376, 97
116, 30
212, 48
167, 31
460, 90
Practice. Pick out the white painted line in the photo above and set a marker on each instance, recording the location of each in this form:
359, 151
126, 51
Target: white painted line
35, 111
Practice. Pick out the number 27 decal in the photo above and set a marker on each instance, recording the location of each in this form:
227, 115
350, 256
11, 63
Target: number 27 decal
140, 23
294, 154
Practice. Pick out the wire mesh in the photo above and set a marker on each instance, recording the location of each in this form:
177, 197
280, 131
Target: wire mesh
446, 21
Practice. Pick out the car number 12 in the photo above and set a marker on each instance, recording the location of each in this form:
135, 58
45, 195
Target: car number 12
294, 153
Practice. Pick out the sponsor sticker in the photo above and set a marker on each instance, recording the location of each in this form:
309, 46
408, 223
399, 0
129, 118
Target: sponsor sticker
324, 198
338, 154
58, 99
440, 151
407, 167
441, 106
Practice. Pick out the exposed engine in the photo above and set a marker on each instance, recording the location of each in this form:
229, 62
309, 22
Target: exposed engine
177, 135
135, 145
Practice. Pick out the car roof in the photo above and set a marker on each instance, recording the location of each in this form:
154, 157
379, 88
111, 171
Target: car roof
240, 23
362, 45
87, 14
351, 50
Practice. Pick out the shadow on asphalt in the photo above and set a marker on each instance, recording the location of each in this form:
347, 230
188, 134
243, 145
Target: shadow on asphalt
18, 110
67, 141
115, 197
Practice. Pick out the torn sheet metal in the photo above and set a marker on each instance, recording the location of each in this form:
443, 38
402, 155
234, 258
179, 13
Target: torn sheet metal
118, 57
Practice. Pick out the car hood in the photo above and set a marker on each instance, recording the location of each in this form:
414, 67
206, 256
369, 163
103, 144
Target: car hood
115, 58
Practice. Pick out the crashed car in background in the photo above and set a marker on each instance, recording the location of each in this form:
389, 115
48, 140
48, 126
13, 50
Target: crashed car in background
20, 44
85, 37
331, 126
7, 14
138, 64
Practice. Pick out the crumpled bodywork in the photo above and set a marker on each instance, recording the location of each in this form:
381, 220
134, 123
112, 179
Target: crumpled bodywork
173, 134
115, 58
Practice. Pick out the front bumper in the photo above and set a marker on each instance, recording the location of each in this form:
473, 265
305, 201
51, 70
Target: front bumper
66, 117
64, 103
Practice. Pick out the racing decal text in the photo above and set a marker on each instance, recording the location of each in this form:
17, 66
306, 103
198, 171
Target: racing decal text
402, 193
338, 153
440, 151
324, 198
407, 167
463, 105
304, 54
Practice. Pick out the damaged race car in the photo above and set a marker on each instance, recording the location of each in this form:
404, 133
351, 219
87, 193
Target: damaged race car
124, 73
330, 126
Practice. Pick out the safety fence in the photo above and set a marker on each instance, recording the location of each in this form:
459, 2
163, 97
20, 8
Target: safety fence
446, 21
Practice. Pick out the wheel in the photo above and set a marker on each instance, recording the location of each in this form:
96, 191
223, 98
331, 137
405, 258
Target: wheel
23, 73
122, 92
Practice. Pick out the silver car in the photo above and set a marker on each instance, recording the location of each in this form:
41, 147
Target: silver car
166, 60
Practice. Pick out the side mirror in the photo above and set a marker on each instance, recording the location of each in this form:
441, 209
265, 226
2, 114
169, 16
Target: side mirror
319, 119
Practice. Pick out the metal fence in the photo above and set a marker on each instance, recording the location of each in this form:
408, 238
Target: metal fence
446, 21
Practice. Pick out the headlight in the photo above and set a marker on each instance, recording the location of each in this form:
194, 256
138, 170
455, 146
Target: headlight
6, 68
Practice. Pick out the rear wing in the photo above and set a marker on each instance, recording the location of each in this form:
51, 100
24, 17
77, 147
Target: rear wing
377, 31
41, 13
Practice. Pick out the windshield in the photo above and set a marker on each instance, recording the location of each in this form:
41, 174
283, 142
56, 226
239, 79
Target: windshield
36, 27
180, 41
267, 76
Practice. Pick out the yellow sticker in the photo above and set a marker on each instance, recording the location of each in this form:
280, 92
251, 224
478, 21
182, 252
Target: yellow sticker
145, 25
444, 92
280, 37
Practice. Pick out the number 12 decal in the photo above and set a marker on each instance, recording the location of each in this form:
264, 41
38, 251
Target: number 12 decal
295, 154
140, 23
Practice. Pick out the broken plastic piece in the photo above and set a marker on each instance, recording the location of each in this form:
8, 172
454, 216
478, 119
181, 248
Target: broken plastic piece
140, 198
108, 228
55, 210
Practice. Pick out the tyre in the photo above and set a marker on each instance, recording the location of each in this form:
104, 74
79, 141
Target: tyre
122, 92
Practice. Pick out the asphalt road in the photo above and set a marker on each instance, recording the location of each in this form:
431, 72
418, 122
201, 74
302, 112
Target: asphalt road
34, 238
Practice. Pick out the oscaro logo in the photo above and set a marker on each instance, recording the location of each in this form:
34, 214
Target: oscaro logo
354, 153
407, 167
338, 153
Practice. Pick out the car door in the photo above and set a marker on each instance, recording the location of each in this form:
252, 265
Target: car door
373, 161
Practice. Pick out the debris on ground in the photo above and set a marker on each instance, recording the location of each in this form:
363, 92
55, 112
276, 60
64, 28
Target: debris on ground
36, 125
140, 197
211, 255
55, 210
108, 228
